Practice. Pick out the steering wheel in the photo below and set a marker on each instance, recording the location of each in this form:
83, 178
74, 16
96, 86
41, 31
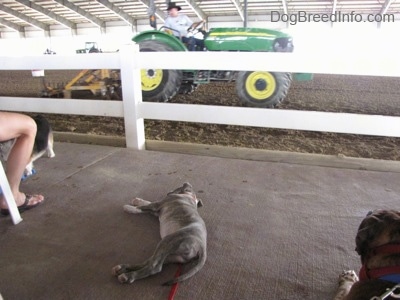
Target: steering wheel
197, 30
196, 26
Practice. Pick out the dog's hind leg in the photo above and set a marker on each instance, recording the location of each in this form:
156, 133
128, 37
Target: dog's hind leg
125, 268
49, 150
29, 167
153, 265
128, 274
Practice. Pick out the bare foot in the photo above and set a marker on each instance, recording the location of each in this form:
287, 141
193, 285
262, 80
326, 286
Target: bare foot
22, 199
33, 199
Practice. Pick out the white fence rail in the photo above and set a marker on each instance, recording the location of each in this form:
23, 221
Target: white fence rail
134, 111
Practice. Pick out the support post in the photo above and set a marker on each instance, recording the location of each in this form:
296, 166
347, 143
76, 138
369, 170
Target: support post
132, 97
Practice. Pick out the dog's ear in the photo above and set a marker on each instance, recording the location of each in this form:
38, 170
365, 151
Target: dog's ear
362, 239
368, 231
187, 187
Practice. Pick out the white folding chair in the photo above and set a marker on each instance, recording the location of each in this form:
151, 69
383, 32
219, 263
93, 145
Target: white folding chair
5, 188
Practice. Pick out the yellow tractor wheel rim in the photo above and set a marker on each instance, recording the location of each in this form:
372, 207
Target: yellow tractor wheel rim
260, 85
151, 79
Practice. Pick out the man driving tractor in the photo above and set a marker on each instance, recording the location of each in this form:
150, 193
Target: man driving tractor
180, 25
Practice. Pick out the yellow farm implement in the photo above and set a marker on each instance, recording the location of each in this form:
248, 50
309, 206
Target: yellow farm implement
105, 84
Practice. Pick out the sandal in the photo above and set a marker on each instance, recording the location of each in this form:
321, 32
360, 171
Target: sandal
24, 207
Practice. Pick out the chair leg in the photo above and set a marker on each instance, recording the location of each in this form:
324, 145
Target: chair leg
5, 188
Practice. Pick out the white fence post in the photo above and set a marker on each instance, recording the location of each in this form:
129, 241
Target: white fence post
132, 95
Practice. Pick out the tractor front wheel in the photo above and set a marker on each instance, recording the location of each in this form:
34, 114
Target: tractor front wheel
262, 89
159, 85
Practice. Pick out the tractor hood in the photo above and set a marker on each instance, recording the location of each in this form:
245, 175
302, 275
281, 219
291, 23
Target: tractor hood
248, 39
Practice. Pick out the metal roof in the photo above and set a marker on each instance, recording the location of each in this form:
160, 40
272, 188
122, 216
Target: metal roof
19, 14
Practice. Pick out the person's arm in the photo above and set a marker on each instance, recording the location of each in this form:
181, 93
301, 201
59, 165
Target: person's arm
166, 23
188, 21
169, 28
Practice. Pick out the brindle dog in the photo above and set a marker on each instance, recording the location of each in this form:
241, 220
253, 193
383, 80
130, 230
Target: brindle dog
183, 233
378, 244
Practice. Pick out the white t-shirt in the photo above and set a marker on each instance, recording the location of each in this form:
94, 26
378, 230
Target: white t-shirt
180, 23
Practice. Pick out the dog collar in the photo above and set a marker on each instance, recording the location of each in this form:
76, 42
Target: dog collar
386, 249
391, 274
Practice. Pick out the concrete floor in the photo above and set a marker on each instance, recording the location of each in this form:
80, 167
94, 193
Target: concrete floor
276, 229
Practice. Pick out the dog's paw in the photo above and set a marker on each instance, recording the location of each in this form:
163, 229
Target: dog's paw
28, 169
139, 202
125, 278
348, 276
132, 209
28, 173
117, 270
123, 273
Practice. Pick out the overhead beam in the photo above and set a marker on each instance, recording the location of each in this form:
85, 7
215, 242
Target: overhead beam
334, 4
385, 6
284, 6
12, 25
49, 13
199, 13
83, 13
158, 12
238, 8
25, 18
383, 10
246, 15
123, 15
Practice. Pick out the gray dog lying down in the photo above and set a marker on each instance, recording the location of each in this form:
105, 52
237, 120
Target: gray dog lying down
183, 233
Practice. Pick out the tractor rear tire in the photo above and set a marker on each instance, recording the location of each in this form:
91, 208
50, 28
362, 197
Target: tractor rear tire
159, 85
262, 89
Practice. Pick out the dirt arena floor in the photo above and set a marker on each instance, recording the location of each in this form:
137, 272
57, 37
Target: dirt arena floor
334, 93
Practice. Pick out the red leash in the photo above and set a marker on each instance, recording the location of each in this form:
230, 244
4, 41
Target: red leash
174, 287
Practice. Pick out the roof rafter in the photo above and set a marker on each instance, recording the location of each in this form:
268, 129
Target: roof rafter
158, 12
285, 7
12, 25
385, 7
238, 8
200, 14
334, 4
80, 11
123, 15
49, 13
25, 18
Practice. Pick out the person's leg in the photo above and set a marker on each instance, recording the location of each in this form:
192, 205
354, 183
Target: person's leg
190, 42
199, 44
23, 128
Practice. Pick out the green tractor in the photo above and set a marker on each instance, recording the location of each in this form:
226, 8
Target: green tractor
254, 88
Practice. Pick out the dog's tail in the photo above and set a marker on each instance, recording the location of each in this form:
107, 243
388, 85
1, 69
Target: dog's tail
197, 267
